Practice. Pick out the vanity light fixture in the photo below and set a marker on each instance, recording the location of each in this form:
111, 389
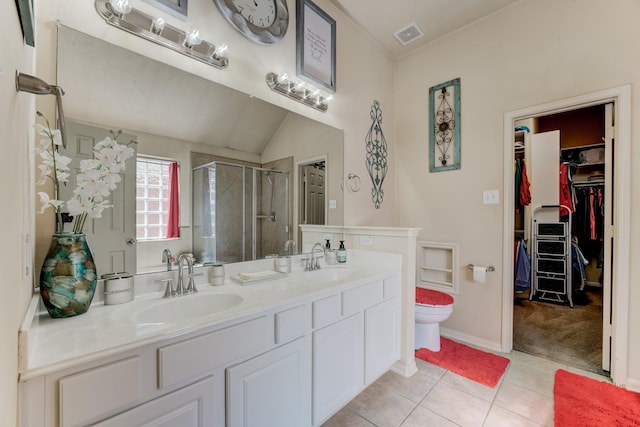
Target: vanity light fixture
120, 14
157, 25
121, 7
192, 38
298, 91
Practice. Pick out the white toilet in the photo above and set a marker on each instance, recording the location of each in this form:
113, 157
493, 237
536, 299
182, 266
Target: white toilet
432, 307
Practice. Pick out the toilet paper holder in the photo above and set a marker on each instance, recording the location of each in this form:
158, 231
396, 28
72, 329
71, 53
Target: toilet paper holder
489, 268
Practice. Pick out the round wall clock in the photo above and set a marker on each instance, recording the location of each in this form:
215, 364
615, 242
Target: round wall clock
261, 21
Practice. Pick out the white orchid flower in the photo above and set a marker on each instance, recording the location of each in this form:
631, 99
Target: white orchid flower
98, 177
46, 202
57, 136
107, 142
62, 162
45, 170
89, 164
98, 208
78, 206
63, 177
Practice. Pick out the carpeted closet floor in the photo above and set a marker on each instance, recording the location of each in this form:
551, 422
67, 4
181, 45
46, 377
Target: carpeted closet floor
572, 336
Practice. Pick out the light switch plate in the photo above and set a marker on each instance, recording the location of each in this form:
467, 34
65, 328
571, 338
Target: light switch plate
366, 240
332, 204
491, 197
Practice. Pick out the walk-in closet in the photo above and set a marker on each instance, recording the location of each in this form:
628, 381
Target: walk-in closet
562, 181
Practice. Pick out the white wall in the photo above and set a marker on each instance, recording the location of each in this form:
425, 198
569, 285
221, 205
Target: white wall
16, 118
532, 53
307, 141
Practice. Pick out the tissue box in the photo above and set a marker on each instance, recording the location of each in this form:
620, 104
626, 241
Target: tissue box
118, 288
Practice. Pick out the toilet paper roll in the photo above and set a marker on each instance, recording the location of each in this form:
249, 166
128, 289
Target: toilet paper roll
479, 274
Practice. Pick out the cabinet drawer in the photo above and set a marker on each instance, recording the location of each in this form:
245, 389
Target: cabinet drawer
187, 359
358, 299
326, 311
189, 406
292, 323
92, 394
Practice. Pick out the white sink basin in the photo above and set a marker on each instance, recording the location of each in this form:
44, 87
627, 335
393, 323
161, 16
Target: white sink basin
187, 307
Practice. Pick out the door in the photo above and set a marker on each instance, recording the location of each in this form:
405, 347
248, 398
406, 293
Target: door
543, 169
381, 337
271, 389
607, 282
313, 195
112, 237
338, 369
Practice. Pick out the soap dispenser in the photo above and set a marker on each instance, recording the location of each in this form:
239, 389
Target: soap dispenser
342, 252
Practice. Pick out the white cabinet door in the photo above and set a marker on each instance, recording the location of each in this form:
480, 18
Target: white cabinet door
272, 389
381, 339
191, 406
543, 173
338, 369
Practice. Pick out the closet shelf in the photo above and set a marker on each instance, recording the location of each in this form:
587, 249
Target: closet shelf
583, 147
436, 282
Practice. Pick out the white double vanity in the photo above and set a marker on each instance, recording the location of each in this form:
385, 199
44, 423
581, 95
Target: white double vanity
285, 352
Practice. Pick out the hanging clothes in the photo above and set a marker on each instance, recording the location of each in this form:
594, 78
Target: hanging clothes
566, 190
522, 185
525, 192
578, 264
522, 270
588, 219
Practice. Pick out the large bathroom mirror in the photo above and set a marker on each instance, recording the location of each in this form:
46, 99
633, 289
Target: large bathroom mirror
179, 117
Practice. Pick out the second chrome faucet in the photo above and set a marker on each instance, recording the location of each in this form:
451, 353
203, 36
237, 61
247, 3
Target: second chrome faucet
181, 289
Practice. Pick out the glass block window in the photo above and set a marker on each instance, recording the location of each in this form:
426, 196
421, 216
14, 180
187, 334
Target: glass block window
152, 198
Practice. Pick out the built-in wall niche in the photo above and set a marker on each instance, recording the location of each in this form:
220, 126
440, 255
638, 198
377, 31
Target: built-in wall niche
438, 265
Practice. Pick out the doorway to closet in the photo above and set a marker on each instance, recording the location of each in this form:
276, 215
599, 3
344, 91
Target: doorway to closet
617, 325
562, 271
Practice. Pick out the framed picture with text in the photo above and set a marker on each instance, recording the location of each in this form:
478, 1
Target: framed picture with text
444, 126
177, 8
316, 45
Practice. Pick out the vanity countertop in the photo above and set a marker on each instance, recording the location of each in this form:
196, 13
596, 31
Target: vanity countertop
47, 345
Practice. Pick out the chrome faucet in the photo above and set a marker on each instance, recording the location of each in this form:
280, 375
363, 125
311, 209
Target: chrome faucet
168, 258
191, 287
313, 262
288, 245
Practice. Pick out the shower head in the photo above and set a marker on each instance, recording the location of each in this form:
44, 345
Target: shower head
268, 175
31, 84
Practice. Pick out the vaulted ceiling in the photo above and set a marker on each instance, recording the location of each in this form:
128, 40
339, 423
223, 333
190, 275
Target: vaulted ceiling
435, 18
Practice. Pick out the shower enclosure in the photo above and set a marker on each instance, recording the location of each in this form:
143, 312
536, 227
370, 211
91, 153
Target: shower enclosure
239, 213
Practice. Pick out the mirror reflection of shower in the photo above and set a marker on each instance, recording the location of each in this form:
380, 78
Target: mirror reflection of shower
272, 213
239, 212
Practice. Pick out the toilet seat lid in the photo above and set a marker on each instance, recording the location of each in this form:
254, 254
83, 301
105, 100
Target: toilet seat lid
432, 297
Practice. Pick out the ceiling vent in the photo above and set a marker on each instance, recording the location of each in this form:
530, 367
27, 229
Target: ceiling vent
408, 34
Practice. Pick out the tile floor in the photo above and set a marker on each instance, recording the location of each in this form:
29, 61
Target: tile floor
439, 398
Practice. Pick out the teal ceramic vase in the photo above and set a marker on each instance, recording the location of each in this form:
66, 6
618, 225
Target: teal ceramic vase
68, 276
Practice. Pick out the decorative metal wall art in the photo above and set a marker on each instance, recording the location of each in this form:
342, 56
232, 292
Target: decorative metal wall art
444, 126
376, 155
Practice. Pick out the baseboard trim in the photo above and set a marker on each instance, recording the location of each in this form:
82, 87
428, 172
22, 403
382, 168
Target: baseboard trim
633, 384
470, 339
405, 369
